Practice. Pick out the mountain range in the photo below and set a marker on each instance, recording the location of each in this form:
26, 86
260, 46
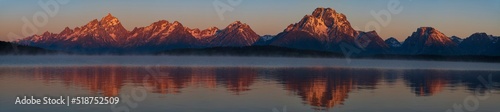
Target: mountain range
323, 30
108, 35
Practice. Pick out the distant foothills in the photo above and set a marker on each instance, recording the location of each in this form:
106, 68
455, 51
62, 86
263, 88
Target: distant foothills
323, 33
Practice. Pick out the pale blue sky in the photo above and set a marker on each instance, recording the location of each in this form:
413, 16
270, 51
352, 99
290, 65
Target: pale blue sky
452, 17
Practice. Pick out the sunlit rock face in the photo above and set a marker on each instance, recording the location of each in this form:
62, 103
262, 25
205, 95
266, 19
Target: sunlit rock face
428, 40
237, 34
324, 30
108, 35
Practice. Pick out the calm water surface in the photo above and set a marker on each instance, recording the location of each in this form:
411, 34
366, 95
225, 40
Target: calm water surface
252, 89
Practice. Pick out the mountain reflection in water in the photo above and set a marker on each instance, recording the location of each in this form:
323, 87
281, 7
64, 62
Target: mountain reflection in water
321, 88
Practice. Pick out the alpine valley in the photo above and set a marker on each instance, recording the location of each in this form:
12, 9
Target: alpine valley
324, 31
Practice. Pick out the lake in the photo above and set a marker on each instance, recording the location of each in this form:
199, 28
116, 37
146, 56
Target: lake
250, 84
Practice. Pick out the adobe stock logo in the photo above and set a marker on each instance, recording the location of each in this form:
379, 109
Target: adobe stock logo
50, 8
222, 7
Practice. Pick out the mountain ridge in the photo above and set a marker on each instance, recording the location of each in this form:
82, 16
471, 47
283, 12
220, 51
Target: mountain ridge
323, 30
108, 35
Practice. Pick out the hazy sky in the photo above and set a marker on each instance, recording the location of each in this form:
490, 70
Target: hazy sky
452, 17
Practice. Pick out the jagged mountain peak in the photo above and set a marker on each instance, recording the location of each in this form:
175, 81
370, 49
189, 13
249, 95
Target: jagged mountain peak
212, 28
318, 12
161, 22
239, 27
324, 29
110, 16
392, 42
371, 41
312, 24
46, 33
209, 28
479, 43
109, 23
427, 31
480, 35
200, 34
177, 23
428, 40
235, 34
161, 28
373, 32
165, 23
92, 24
323, 22
67, 31
430, 35
392, 39
330, 17
110, 19
426, 28
456, 39
369, 34
66, 28
237, 24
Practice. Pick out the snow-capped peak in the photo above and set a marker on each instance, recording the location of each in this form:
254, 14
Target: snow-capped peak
267, 37
393, 42
425, 37
317, 25
235, 34
237, 24
92, 24
322, 22
200, 34
319, 12
431, 33
109, 20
